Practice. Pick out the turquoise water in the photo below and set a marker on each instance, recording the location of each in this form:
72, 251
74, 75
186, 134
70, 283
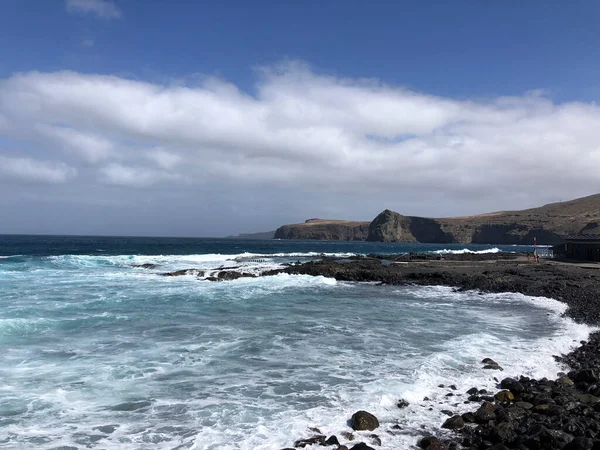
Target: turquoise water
96, 353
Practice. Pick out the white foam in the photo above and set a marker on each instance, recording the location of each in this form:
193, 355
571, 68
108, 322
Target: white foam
466, 250
331, 367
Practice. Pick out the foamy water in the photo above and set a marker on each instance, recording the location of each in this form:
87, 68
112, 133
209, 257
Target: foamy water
98, 354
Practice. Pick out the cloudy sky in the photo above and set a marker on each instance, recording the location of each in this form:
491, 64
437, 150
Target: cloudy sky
213, 118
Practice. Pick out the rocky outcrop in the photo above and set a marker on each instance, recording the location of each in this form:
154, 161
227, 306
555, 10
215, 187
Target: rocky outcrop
328, 230
390, 226
548, 224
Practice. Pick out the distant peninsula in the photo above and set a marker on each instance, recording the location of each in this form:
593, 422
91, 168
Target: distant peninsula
258, 236
548, 223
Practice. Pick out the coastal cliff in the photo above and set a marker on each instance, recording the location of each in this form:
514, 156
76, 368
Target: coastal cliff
328, 230
548, 223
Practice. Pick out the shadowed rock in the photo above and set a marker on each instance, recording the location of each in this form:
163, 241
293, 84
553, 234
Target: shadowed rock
363, 420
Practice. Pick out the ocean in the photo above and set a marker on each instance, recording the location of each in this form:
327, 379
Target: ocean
97, 353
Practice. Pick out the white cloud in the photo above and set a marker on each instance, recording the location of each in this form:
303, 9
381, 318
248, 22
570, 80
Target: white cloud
30, 170
101, 8
307, 132
121, 175
164, 159
90, 147
88, 43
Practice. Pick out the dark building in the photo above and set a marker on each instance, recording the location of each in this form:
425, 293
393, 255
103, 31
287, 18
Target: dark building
581, 248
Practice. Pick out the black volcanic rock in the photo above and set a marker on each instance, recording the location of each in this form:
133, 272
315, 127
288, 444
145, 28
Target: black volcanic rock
363, 420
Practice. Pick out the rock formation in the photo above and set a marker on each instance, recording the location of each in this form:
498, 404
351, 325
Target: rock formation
328, 230
548, 224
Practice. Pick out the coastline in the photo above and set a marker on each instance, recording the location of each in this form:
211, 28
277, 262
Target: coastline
524, 413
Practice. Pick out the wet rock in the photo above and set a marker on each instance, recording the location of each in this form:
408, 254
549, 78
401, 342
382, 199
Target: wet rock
524, 405
347, 435
131, 406
588, 398
469, 417
375, 440
145, 266
430, 442
485, 413
473, 391
504, 397
228, 275
363, 420
586, 376
361, 446
402, 403
332, 440
454, 423
540, 437
566, 381
512, 385
314, 440
179, 273
493, 366
501, 433
488, 361
108, 429
447, 412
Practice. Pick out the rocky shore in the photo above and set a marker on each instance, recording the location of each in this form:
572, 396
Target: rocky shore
522, 413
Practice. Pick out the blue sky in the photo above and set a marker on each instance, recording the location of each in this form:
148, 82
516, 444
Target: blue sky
301, 100
444, 48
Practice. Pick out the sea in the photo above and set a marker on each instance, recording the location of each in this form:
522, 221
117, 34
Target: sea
96, 353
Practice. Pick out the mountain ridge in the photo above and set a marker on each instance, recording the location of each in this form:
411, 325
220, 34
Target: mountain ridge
549, 224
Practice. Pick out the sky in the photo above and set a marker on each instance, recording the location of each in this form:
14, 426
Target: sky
211, 118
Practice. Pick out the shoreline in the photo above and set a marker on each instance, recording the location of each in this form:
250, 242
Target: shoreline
524, 413
520, 413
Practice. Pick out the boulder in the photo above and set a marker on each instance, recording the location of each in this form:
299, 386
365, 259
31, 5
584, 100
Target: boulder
363, 420
540, 437
454, 423
485, 413
504, 397
431, 443
586, 376
512, 385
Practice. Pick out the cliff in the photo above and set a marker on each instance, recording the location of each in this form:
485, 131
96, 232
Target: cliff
548, 223
330, 230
